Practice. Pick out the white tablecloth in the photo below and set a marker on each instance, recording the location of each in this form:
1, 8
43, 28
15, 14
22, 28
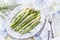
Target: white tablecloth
50, 6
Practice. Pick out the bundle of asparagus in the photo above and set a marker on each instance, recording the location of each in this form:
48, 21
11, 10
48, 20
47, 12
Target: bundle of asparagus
26, 20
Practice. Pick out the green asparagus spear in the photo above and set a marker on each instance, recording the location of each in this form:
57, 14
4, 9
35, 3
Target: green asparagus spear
25, 15
28, 24
34, 24
30, 27
25, 21
18, 16
37, 11
18, 19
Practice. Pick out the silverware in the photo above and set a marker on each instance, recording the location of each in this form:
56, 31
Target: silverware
48, 34
50, 22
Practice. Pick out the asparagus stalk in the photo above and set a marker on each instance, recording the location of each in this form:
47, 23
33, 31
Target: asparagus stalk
25, 21
18, 16
28, 24
25, 15
18, 19
30, 28
37, 11
33, 25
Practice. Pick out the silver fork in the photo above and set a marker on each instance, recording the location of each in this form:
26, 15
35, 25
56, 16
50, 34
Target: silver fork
48, 34
51, 27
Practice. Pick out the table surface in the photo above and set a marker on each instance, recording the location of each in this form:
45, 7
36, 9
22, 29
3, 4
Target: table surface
47, 5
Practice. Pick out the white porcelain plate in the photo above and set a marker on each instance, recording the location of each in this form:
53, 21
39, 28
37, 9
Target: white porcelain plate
16, 34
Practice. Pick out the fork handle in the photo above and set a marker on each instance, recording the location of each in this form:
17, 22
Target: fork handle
52, 34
